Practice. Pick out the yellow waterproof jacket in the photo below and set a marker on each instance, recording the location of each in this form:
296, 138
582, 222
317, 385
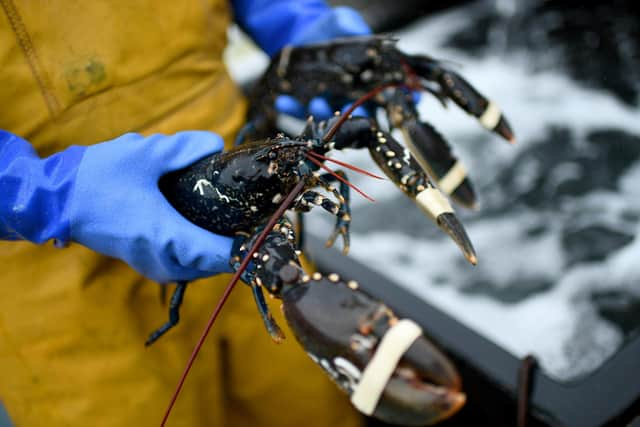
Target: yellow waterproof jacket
73, 322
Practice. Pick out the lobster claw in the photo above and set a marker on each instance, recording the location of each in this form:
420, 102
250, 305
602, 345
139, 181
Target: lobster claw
430, 149
487, 112
456, 88
434, 156
386, 365
403, 169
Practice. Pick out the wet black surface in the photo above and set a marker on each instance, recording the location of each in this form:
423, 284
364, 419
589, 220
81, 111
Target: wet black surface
595, 42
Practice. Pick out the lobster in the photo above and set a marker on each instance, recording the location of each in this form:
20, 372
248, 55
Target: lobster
386, 364
235, 192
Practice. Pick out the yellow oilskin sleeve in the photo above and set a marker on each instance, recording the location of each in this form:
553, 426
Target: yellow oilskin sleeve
72, 322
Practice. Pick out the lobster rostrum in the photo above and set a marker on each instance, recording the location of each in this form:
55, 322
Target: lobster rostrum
235, 192
345, 70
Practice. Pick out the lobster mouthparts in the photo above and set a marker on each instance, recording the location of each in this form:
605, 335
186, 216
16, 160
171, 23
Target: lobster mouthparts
386, 365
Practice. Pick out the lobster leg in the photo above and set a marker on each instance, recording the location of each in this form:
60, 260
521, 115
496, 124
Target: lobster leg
251, 276
342, 220
174, 313
430, 149
269, 322
340, 210
277, 251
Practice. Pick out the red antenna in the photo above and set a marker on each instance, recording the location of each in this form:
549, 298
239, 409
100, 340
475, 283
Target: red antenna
263, 235
346, 165
323, 166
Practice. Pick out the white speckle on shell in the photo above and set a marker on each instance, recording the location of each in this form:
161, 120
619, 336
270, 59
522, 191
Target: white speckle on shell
366, 75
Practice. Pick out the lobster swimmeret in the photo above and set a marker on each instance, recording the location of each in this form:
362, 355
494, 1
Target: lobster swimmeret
388, 367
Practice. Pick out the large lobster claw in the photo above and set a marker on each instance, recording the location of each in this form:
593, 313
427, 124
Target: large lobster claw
386, 365
390, 370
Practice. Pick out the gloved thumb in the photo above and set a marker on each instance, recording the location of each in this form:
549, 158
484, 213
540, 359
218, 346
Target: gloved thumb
203, 252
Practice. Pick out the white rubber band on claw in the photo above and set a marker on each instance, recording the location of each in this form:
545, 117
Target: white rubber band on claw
433, 203
453, 178
376, 375
491, 116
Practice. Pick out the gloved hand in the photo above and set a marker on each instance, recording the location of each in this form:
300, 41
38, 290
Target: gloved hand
275, 23
106, 197
272, 24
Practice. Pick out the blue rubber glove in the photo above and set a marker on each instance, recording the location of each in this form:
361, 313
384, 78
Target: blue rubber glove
34, 192
106, 197
272, 24
275, 23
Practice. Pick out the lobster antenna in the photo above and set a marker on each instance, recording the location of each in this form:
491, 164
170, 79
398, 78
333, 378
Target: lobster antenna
263, 235
325, 167
346, 165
